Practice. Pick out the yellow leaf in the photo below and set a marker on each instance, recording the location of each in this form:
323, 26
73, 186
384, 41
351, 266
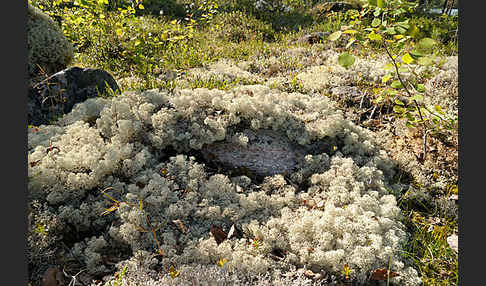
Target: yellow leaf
113, 208
173, 272
398, 37
386, 78
119, 32
140, 6
374, 37
407, 59
173, 22
388, 67
221, 262
350, 42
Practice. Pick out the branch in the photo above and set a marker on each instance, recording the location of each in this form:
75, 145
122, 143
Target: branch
410, 94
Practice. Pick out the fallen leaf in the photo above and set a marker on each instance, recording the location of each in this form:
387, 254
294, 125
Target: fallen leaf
309, 274
234, 232
34, 163
53, 277
221, 262
218, 234
381, 274
174, 272
179, 225
278, 253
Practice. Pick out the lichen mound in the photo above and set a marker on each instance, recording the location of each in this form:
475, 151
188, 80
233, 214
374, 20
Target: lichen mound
333, 208
48, 49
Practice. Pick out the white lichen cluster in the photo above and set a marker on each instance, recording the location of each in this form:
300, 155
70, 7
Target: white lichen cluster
210, 275
443, 88
221, 71
330, 74
284, 61
334, 209
47, 47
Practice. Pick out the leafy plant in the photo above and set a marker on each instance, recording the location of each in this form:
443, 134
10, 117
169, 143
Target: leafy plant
111, 35
383, 23
346, 272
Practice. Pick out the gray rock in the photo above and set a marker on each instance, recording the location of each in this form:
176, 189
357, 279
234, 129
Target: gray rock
348, 92
56, 95
266, 153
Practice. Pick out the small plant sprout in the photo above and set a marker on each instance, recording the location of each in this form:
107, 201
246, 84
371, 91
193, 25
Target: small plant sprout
222, 262
255, 243
119, 276
388, 271
116, 203
34, 128
41, 229
347, 272
173, 272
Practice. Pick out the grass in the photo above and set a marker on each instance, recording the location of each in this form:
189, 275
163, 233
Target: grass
142, 65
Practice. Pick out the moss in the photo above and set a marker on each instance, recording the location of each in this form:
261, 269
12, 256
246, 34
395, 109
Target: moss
48, 49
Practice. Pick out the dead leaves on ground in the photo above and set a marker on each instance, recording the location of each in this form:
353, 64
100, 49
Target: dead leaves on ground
220, 235
383, 274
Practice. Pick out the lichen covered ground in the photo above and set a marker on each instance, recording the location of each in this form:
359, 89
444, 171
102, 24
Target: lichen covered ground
119, 180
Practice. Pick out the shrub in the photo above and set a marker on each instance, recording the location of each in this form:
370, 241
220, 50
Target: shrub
333, 210
48, 49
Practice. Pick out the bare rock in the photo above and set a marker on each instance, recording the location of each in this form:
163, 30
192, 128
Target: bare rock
266, 153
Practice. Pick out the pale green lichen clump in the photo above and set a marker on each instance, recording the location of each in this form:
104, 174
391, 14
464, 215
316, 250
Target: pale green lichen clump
48, 48
330, 74
333, 209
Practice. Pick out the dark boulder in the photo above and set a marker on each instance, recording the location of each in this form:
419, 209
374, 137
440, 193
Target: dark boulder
57, 95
